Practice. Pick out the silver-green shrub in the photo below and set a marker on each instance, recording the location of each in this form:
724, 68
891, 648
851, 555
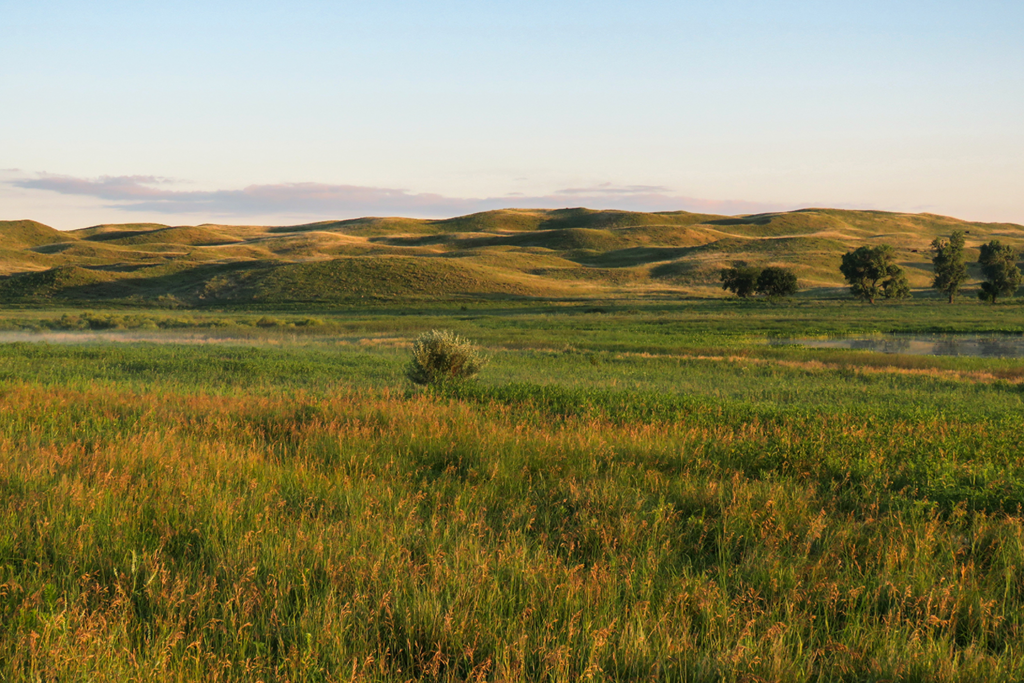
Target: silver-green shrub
442, 356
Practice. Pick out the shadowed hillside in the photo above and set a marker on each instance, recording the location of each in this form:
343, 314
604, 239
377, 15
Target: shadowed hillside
516, 253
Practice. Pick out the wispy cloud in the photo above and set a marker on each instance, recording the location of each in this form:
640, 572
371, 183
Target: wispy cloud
610, 189
154, 194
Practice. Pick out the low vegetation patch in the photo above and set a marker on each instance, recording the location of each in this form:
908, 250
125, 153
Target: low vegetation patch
442, 357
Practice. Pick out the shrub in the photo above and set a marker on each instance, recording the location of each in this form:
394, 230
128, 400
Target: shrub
267, 321
441, 356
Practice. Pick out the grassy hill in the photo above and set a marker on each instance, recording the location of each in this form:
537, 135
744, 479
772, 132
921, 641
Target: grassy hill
29, 234
514, 253
50, 283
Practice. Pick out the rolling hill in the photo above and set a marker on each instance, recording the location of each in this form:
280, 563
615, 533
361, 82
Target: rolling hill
28, 234
513, 253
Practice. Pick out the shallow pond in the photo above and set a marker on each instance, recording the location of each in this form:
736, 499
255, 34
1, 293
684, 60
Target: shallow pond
979, 345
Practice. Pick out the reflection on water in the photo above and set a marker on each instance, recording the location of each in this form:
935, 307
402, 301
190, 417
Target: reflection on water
983, 346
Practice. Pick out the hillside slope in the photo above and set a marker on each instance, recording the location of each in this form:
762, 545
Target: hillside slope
29, 234
533, 253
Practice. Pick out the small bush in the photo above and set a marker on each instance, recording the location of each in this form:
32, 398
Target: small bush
441, 356
266, 322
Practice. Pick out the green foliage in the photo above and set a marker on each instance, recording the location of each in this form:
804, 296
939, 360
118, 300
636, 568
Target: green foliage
999, 266
740, 280
745, 281
441, 356
949, 264
872, 273
777, 282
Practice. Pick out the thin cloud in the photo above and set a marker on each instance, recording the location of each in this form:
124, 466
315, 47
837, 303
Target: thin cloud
152, 194
118, 188
612, 190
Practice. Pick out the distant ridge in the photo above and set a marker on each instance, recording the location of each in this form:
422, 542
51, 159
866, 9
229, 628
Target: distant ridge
517, 253
27, 234
99, 232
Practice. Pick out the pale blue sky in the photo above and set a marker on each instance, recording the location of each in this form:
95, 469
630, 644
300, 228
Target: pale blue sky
276, 112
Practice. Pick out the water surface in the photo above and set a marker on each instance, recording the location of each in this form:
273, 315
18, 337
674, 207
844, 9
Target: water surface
977, 345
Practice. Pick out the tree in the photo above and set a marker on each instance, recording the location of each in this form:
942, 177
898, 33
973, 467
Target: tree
999, 266
741, 280
776, 282
872, 272
950, 267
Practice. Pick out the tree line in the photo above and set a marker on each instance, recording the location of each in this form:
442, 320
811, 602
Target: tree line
872, 273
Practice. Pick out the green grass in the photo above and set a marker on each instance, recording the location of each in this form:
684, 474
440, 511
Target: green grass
46, 284
166, 235
639, 490
28, 234
370, 277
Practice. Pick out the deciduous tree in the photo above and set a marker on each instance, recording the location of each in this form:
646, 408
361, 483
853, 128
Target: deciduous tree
741, 280
999, 266
775, 281
872, 273
950, 267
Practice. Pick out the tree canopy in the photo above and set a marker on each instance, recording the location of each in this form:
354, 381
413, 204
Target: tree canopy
999, 266
745, 281
950, 267
774, 281
872, 273
741, 280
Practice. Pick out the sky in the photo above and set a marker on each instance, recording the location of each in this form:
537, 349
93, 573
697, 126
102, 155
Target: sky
269, 112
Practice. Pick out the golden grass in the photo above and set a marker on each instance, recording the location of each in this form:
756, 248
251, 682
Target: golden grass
374, 536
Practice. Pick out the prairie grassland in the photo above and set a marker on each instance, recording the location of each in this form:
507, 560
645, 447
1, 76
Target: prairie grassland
619, 509
526, 254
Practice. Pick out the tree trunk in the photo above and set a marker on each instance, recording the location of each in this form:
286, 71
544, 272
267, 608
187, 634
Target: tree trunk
951, 295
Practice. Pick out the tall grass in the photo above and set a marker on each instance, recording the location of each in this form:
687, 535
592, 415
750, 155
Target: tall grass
297, 513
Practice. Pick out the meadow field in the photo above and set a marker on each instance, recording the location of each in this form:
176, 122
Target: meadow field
631, 490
